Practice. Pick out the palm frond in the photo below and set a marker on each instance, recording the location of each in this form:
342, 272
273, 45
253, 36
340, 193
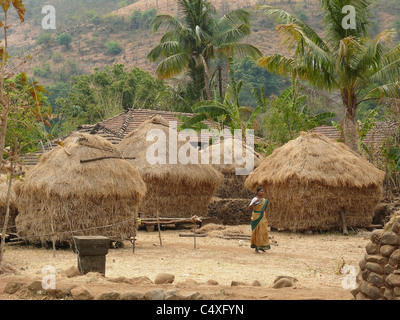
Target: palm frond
389, 90
165, 20
278, 63
283, 17
164, 49
172, 65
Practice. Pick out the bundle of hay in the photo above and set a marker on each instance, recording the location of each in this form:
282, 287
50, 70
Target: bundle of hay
3, 204
233, 185
311, 179
173, 190
62, 194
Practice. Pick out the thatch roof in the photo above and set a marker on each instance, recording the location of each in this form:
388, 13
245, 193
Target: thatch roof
64, 193
315, 158
231, 145
310, 179
3, 204
233, 185
175, 182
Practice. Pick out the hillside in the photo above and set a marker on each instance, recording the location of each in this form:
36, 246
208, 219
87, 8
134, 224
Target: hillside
88, 51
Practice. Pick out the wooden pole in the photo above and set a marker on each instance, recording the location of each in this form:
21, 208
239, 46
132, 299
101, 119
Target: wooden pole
134, 232
53, 237
159, 228
344, 224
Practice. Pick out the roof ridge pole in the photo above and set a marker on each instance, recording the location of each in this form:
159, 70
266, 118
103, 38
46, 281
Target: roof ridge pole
126, 122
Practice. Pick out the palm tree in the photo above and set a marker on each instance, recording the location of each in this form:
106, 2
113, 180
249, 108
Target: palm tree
191, 44
347, 61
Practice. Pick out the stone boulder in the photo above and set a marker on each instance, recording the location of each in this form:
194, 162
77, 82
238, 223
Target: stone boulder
379, 274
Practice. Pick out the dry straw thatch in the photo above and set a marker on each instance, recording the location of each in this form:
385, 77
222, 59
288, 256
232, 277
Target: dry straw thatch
233, 185
309, 180
61, 194
3, 204
173, 190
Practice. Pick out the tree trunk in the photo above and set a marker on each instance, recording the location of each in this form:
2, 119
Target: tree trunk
206, 77
350, 129
3, 131
350, 132
7, 216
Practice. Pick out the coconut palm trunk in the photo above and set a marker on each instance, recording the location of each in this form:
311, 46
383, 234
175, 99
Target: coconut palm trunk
350, 129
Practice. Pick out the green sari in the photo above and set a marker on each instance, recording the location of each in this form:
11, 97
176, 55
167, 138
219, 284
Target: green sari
259, 227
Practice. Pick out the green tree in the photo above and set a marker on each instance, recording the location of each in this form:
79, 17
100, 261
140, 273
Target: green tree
254, 76
65, 39
192, 43
17, 96
104, 93
287, 115
348, 61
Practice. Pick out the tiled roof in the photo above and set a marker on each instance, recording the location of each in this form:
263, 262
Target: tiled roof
113, 129
128, 121
381, 131
330, 132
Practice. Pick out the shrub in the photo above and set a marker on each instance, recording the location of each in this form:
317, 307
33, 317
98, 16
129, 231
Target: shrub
114, 47
58, 57
65, 39
44, 38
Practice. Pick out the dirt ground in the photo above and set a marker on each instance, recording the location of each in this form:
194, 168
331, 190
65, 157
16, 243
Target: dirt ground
314, 260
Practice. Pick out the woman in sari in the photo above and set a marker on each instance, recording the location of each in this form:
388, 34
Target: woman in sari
259, 223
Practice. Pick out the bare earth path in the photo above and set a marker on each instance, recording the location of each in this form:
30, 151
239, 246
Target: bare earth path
314, 260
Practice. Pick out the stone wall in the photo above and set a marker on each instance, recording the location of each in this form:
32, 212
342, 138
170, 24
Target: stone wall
379, 275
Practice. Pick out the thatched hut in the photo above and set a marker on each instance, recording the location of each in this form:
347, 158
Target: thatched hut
83, 185
233, 185
174, 190
311, 179
3, 205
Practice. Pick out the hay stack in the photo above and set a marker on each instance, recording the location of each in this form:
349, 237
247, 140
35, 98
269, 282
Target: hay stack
61, 194
233, 185
311, 179
3, 204
174, 190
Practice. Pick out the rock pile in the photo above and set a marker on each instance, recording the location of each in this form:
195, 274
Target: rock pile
379, 275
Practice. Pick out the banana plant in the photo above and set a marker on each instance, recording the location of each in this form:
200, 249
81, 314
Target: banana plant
226, 114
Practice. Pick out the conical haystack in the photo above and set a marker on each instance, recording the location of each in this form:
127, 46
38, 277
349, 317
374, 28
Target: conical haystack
226, 163
311, 179
3, 204
65, 193
174, 189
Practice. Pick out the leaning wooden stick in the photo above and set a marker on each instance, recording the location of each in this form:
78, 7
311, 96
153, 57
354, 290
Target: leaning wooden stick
103, 158
159, 228
134, 233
